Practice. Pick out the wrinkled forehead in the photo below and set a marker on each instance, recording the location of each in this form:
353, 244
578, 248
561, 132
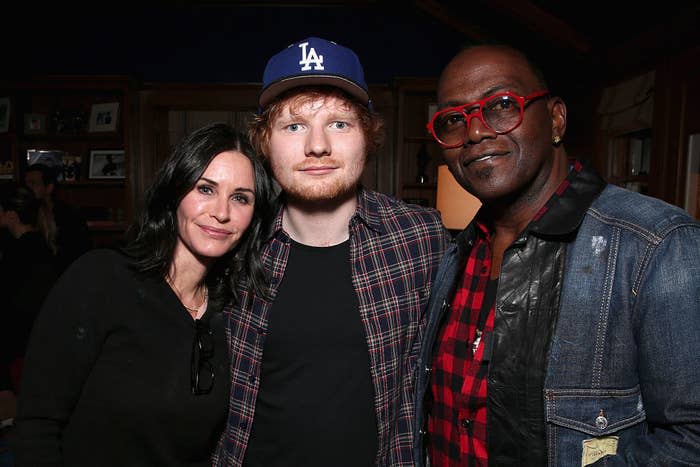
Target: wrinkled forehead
479, 72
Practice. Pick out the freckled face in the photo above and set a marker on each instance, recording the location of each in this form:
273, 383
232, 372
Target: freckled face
489, 165
317, 150
215, 214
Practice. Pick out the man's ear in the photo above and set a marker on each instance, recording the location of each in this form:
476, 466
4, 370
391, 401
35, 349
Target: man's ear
557, 110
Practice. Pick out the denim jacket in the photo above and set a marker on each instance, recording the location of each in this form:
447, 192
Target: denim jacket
622, 384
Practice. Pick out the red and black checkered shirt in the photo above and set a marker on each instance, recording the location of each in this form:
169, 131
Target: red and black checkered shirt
457, 421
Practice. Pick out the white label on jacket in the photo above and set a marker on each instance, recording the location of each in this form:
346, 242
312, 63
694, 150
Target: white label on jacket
597, 448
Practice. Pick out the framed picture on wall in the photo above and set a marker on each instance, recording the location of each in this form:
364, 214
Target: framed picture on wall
107, 164
104, 117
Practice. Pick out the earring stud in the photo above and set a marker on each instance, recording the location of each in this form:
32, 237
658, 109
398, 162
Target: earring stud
556, 140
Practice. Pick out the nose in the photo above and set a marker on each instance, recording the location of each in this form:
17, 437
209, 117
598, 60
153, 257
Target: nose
317, 143
221, 210
477, 130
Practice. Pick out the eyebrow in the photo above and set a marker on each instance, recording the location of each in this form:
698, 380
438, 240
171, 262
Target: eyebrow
247, 190
213, 182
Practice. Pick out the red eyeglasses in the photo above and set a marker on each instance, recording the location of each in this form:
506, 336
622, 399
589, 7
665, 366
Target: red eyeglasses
501, 113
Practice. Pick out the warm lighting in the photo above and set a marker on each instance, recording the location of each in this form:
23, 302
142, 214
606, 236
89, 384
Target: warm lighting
457, 207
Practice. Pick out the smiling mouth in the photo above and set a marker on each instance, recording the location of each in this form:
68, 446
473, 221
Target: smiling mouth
486, 157
214, 232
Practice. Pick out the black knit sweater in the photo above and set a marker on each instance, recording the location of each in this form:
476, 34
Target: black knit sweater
107, 374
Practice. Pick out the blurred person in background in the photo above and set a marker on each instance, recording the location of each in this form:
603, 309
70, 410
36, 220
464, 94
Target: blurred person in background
65, 226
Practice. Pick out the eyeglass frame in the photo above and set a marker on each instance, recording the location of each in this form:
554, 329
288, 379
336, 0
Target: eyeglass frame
201, 358
478, 113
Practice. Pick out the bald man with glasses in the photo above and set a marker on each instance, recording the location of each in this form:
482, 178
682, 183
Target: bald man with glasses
564, 323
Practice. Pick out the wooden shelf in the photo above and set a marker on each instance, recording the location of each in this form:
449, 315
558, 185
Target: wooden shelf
53, 113
62, 137
93, 183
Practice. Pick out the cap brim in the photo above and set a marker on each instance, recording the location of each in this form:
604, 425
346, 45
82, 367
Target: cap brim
277, 88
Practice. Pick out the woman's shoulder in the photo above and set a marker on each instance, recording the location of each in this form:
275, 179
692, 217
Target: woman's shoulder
99, 263
102, 256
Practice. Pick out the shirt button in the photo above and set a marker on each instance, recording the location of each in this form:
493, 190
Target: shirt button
466, 423
484, 269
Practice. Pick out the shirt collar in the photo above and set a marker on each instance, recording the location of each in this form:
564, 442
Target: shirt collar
366, 212
564, 211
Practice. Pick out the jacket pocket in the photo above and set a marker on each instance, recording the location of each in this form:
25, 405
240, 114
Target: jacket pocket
578, 415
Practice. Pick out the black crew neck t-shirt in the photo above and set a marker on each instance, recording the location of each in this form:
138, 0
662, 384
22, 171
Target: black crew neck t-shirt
315, 406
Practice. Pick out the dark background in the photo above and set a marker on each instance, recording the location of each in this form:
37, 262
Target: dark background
577, 43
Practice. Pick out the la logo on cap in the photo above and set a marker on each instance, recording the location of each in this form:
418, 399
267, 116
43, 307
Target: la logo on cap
310, 58
313, 62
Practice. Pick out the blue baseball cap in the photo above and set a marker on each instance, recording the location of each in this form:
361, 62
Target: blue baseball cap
314, 61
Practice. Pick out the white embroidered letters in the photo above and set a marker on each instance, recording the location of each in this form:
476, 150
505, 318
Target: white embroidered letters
311, 58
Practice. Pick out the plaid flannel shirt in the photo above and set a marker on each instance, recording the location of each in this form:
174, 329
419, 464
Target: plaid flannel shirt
395, 249
457, 423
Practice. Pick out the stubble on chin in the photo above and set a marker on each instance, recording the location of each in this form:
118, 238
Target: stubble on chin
319, 192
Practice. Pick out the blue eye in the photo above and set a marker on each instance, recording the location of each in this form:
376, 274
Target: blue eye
340, 125
294, 127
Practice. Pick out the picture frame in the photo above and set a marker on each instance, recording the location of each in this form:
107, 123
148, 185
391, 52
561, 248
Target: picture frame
107, 164
4, 114
34, 124
104, 117
72, 166
52, 158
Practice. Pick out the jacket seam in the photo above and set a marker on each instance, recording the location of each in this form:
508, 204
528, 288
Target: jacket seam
605, 308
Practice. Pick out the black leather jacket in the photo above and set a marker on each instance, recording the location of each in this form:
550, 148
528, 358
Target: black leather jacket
527, 303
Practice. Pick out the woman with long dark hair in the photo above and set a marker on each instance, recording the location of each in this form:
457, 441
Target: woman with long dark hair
128, 363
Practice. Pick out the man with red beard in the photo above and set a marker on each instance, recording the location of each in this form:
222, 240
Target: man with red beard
323, 368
